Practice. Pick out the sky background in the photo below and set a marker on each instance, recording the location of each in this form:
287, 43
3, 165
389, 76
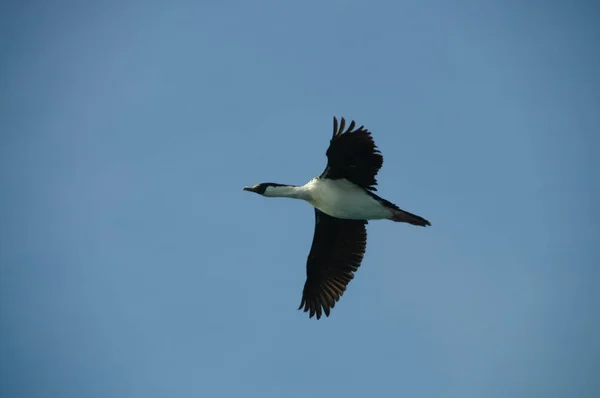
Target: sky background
132, 264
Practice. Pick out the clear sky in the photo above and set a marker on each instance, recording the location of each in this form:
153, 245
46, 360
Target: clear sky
132, 264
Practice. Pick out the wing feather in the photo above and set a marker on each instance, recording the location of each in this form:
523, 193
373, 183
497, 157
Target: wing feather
336, 253
353, 155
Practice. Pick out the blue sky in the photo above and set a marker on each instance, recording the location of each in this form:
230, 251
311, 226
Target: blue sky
133, 265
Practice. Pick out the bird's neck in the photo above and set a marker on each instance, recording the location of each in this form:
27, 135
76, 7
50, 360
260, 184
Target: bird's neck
286, 191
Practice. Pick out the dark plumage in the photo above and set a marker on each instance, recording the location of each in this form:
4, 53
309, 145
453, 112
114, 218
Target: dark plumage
344, 199
339, 245
353, 155
337, 251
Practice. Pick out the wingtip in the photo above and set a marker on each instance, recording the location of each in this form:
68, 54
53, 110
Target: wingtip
342, 125
314, 310
335, 126
339, 128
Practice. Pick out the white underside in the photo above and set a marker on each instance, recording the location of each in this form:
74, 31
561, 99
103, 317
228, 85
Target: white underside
342, 199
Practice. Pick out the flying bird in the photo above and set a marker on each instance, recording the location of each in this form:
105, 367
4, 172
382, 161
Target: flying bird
344, 200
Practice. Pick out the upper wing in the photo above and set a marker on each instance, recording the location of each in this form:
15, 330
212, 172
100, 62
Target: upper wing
337, 250
353, 155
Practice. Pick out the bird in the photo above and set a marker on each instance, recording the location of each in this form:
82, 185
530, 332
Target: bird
344, 201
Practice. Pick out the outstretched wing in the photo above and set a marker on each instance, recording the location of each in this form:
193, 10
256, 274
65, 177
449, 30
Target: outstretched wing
337, 251
353, 155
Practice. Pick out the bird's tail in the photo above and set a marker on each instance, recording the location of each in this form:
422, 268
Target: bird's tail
400, 215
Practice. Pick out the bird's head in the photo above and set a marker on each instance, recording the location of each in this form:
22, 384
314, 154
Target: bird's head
268, 189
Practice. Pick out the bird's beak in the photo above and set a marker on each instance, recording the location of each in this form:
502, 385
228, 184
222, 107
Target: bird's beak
249, 189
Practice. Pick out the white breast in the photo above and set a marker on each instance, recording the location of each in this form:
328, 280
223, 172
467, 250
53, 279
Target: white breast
342, 199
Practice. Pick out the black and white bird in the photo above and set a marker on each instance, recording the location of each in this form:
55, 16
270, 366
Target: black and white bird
344, 200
